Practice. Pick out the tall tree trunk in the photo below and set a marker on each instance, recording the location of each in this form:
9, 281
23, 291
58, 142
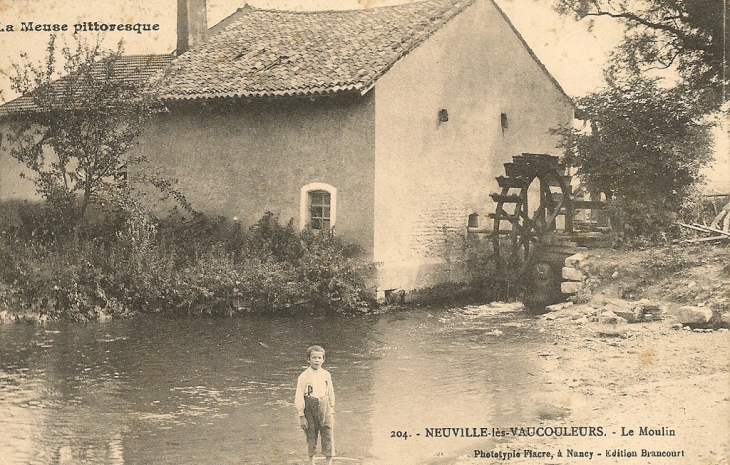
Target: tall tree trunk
81, 216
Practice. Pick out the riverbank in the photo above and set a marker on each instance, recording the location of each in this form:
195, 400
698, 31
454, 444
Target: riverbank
176, 266
654, 388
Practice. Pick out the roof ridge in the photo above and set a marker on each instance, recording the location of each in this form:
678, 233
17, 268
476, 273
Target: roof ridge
344, 10
229, 19
171, 54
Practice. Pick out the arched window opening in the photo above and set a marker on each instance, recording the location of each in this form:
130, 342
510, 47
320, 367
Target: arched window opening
318, 207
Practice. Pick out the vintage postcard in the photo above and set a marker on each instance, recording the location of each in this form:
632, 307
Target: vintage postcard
501, 317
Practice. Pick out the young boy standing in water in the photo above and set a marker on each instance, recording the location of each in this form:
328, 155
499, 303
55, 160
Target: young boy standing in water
315, 403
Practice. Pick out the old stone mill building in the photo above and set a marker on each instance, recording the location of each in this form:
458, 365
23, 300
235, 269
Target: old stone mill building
389, 124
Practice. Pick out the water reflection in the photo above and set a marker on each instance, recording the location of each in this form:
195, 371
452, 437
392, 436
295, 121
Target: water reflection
220, 391
450, 371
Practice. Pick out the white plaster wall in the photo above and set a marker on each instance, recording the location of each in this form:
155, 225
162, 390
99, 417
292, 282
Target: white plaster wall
243, 159
430, 175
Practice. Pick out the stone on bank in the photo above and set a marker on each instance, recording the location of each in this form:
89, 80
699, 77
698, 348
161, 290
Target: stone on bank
611, 324
691, 315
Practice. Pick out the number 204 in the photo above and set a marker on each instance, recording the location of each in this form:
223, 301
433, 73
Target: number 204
399, 434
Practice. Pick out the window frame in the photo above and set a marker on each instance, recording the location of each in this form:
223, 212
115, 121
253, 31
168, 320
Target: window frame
305, 202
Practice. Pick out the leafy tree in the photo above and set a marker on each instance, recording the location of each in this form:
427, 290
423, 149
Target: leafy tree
649, 128
644, 149
686, 36
85, 116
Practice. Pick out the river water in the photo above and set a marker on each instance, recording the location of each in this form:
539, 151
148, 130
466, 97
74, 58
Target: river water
153, 390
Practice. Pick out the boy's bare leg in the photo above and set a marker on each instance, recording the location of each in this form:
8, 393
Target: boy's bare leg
311, 460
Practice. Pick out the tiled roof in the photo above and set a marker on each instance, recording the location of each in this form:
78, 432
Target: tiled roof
131, 68
266, 53
269, 53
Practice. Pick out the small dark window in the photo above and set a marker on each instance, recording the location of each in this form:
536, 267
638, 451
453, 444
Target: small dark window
319, 210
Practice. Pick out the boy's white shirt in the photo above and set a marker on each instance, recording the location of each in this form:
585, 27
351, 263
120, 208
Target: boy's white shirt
321, 383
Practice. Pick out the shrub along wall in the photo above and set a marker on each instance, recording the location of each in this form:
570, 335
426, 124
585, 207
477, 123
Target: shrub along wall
179, 266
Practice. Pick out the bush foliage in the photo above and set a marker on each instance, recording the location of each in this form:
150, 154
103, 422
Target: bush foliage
179, 265
644, 150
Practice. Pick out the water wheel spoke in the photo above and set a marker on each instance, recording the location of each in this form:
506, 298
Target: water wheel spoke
530, 229
545, 195
555, 213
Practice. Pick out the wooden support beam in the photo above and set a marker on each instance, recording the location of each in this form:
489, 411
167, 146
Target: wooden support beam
713, 230
588, 204
698, 227
506, 198
705, 239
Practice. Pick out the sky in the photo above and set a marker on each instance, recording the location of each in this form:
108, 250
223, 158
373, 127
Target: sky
574, 56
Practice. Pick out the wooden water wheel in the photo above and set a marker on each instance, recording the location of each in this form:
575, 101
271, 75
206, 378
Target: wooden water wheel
534, 192
533, 230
